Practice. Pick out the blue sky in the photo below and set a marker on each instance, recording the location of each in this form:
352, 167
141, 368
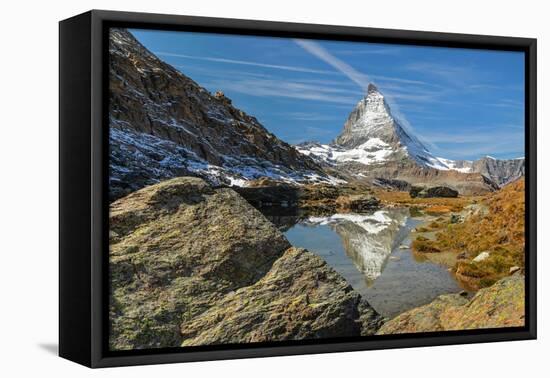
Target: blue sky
463, 104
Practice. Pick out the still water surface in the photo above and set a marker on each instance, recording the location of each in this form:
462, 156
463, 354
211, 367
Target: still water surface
371, 252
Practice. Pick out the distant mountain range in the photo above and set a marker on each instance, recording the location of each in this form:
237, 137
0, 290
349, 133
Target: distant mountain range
163, 125
501, 171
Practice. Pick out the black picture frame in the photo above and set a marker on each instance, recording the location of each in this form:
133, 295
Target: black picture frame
83, 195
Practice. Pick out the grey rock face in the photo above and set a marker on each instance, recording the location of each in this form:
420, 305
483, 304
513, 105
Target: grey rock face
500, 171
392, 184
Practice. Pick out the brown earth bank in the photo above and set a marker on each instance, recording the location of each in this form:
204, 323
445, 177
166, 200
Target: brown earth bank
501, 305
193, 265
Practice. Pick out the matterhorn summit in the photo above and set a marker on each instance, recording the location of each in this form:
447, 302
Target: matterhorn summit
371, 118
372, 135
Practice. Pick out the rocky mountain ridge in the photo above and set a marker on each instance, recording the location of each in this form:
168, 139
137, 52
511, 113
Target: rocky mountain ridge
163, 124
500, 171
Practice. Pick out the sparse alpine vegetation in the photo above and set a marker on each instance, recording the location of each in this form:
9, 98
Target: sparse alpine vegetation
489, 242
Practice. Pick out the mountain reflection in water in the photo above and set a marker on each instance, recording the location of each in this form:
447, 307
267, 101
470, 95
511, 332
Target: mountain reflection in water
365, 250
367, 239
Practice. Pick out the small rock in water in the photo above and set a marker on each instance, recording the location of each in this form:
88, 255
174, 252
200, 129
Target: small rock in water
395, 258
404, 246
463, 293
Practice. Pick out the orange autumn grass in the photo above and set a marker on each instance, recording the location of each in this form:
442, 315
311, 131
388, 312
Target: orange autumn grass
500, 231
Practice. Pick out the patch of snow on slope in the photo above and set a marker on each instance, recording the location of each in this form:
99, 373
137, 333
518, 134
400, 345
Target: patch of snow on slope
132, 151
465, 166
372, 151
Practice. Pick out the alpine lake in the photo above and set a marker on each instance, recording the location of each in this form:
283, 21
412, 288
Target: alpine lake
372, 252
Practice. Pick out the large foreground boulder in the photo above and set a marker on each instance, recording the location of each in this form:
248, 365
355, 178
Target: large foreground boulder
299, 298
501, 305
192, 265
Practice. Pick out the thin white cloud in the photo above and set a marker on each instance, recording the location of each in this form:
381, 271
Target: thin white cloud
320, 52
310, 117
456, 75
285, 89
506, 103
372, 51
401, 80
487, 138
504, 150
246, 63
502, 141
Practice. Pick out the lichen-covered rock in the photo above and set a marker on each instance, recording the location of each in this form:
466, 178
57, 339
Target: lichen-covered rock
180, 249
501, 305
299, 298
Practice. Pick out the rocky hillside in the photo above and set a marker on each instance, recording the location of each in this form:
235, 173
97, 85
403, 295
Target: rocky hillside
500, 171
374, 145
501, 305
163, 124
171, 285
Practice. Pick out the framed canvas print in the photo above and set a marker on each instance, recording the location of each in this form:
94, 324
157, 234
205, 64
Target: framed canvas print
234, 188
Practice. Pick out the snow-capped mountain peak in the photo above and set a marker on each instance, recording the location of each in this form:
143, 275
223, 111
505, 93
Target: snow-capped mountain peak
370, 118
373, 135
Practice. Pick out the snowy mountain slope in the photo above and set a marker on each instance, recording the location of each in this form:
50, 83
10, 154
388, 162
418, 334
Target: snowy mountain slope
163, 125
372, 151
501, 171
372, 119
372, 135
374, 142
